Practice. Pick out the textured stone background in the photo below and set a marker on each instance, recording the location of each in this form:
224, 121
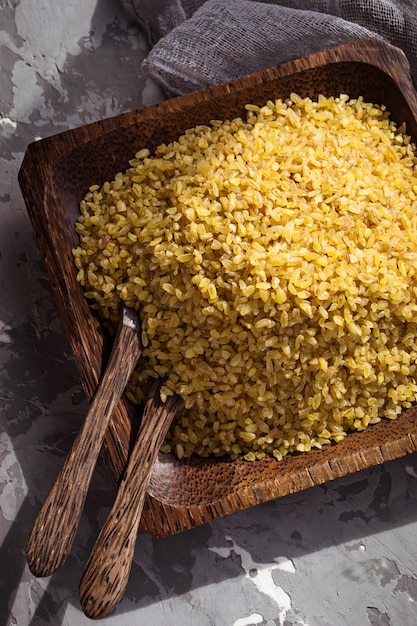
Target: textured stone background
336, 555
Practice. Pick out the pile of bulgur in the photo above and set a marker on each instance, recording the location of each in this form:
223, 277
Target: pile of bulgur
274, 263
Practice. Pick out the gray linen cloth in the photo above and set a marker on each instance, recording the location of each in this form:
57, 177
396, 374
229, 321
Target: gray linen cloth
197, 43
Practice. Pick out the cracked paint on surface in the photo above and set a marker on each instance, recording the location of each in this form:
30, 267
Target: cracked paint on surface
335, 555
261, 574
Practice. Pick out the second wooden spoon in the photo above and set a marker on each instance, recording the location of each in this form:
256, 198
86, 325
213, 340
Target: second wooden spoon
107, 570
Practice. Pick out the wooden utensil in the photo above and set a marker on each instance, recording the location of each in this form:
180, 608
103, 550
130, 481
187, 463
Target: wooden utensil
55, 527
107, 570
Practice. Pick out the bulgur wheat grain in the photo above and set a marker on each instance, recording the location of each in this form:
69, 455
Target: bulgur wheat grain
273, 259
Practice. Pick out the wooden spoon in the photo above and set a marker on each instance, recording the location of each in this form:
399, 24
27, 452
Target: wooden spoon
107, 570
55, 527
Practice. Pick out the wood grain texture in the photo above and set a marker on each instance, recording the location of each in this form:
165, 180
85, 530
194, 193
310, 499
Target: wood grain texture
55, 175
55, 527
107, 570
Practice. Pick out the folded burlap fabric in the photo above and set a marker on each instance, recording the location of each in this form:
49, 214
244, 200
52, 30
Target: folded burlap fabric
197, 43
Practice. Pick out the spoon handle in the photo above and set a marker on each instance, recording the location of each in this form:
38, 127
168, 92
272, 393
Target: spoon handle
107, 570
55, 527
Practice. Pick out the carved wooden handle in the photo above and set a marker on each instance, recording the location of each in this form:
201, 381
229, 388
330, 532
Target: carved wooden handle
107, 570
55, 527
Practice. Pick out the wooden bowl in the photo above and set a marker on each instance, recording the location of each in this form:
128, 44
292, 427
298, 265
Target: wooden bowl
56, 173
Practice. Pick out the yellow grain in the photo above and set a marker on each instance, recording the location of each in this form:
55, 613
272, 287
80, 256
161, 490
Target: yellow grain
274, 260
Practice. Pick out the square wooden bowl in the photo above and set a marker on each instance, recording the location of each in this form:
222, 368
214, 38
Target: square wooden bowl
55, 175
